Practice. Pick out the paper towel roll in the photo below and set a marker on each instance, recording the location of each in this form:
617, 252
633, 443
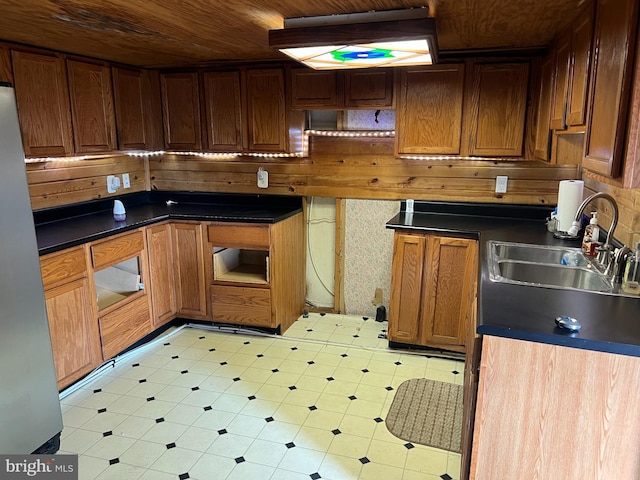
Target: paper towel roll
569, 199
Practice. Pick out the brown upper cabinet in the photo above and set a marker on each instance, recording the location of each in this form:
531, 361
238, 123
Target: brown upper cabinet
429, 110
573, 58
138, 109
94, 122
6, 72
43, 103
181, 111
543, 114
499, 102
223, 111
581, 36
267, 115
367, 88
613, 54
559, 100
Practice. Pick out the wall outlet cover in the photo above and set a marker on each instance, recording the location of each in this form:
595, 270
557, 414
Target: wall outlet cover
501, 183
263, 178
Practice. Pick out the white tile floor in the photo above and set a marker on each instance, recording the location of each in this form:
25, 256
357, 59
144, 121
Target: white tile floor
210, 405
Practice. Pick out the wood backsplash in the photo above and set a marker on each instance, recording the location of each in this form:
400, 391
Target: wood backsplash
56, 183
336, 167
364, 168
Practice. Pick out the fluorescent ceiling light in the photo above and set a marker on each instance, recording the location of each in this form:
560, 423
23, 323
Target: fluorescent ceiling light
375, 39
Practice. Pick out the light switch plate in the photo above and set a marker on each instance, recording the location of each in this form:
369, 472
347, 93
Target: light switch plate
501, 184
126, 183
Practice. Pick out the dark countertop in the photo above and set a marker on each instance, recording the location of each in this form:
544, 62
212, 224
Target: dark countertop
60, 228
609, 323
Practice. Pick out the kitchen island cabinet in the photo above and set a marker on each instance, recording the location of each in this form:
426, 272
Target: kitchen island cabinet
71, 313
560, 413
433, 281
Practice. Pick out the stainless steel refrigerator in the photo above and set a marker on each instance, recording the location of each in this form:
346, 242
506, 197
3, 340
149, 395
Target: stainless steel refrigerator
30, 417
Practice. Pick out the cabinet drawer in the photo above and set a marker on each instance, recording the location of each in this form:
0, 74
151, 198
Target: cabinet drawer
239, 235
109, 253
63, 267
124, 326
241, 305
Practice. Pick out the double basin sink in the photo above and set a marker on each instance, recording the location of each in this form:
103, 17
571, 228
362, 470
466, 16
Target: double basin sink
545, 266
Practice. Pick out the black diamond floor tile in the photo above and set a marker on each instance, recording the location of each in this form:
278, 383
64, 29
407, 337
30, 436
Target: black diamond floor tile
102, 410
183, 476
159, 420
409, 446
378, 420
446, 476
150, 399
315, 476
170, 445
313, 407
268, 419
207, 408
222, 432
364, 460
195, 389
239, 459
113, 461
336, 431
97, 390
107, 434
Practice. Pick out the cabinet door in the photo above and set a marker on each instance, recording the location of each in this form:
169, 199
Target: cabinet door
429, 111
582, 33
161, 279
499, 101
223, 111
613, 53
43, 104
559, 104
74, 331
266, 115
188, 254
130, 110
543, 130
406, 288
94, 124
314, 89
449, 286
181, 111
368, 88
6, 72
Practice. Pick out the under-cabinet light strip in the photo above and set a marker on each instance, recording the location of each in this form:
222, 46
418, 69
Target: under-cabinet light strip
57, 159
351, 134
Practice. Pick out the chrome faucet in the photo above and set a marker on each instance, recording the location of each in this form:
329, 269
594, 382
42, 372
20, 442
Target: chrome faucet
606, 252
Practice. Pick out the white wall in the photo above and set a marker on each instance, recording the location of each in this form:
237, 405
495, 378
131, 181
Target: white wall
321, 243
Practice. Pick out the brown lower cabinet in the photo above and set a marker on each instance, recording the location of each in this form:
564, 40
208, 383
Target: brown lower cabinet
69, 302
161, 275
104, 296
189, 269
433, 281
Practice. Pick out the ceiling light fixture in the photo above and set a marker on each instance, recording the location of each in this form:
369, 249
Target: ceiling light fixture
391, 38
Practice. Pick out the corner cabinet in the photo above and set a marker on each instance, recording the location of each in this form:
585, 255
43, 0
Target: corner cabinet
189, 269
257, 277
433, 282
181, 111
161, 275
74, 332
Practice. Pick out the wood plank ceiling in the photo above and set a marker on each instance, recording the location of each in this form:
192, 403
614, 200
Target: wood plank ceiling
194, 32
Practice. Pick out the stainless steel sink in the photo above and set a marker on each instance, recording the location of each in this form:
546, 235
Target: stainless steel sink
522, 252
543, 266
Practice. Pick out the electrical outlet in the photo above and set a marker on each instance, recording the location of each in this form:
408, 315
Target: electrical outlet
113, 183
125, 180
263, 178
501, 184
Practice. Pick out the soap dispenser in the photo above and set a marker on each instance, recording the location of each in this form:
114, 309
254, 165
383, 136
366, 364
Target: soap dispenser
119, 213
631, 280
591, 236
